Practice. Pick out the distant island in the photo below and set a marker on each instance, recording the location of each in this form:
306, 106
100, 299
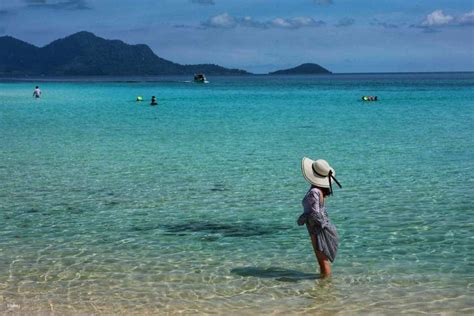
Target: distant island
304, 69
85, 54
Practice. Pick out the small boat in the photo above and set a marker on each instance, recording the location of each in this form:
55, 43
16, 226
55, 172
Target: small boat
200, 78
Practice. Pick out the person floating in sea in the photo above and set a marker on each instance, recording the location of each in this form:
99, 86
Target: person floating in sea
323, 233
153, 101
369, 98
37, 93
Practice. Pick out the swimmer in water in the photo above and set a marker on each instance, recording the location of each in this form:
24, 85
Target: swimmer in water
153, 101
37, 93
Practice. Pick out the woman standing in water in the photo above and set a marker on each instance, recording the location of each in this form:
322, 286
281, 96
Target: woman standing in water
322, 232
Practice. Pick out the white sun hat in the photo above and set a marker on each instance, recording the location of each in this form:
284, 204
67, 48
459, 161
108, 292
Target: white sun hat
318, 172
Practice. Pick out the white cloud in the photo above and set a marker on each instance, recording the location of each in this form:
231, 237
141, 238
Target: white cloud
437, 18
303, 21
296, 23
280, 22
466, 19
227, 21
223, 20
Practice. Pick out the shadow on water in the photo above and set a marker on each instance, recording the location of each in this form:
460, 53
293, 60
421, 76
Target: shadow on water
225, 230
280, 274
218, 189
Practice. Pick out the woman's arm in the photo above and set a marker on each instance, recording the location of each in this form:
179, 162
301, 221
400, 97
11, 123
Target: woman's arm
316, 214
302, 219
313, 211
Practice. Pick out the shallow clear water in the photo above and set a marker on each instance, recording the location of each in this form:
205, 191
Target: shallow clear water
113, 206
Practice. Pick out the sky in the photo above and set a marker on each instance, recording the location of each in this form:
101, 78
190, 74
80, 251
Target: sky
344, 36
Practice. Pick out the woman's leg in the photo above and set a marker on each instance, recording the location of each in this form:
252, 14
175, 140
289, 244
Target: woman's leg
324, 264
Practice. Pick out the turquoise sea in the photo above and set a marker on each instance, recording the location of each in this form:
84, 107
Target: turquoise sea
109, 206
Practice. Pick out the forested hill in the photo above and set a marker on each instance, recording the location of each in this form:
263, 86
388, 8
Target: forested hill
304, 69
85, 54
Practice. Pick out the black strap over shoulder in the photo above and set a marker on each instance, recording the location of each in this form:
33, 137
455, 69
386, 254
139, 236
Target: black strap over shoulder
331, 177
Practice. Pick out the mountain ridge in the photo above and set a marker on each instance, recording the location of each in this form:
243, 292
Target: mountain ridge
85, 54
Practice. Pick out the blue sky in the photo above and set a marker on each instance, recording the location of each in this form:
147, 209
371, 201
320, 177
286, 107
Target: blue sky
266, 35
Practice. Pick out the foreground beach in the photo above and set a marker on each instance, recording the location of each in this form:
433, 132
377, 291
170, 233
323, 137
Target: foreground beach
109, 206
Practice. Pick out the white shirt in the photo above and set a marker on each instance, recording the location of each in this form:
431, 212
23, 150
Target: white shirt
37, 93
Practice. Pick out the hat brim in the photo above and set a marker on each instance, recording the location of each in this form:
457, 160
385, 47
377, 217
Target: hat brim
311, 176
